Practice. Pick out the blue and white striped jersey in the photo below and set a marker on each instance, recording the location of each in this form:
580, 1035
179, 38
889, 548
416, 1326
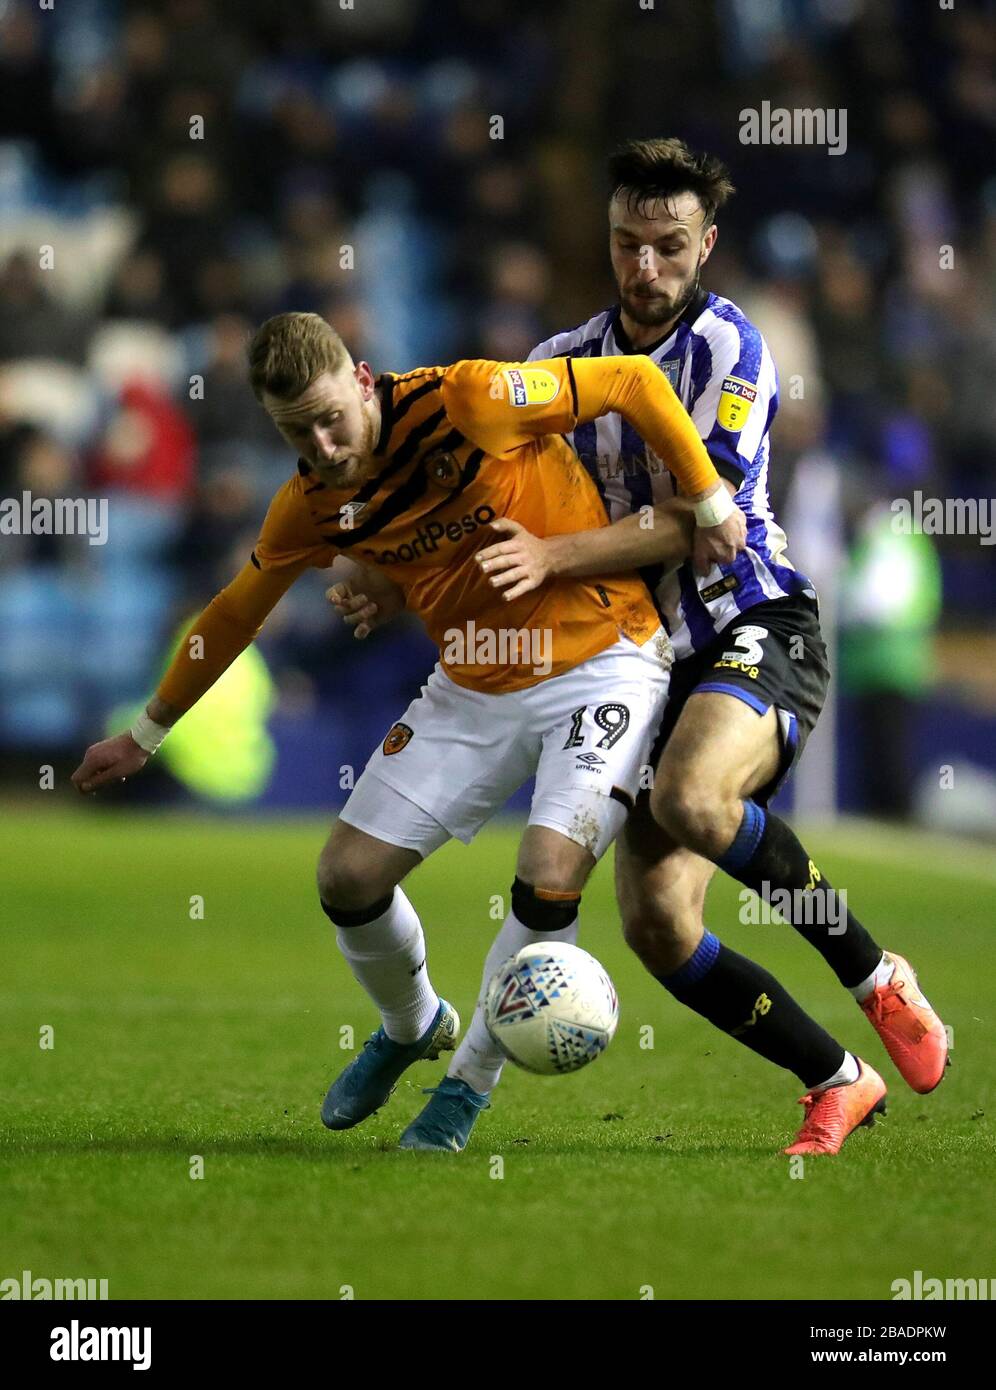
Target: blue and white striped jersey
725, 377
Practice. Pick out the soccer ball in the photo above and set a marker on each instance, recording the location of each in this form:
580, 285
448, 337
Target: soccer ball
551, 1008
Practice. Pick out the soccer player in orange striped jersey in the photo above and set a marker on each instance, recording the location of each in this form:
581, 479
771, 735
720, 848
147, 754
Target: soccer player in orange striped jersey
405, 473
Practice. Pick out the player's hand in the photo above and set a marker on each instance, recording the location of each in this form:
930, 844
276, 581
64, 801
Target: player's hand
517, 565
719, 545
110, 761
360, 613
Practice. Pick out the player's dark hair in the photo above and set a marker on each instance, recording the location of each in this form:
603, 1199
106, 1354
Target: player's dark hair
643, 170
289, 351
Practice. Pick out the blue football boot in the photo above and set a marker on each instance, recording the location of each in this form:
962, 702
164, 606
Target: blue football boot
446, 1121
371, 1077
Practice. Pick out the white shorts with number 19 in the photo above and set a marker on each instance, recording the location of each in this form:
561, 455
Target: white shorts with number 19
457, 755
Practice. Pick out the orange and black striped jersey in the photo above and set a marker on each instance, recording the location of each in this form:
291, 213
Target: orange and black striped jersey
459, 447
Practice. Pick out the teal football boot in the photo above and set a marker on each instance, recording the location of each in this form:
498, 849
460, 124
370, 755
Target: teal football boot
371, 1077
445, 1122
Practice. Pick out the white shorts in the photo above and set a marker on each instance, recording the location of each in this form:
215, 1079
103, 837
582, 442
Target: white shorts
457, 755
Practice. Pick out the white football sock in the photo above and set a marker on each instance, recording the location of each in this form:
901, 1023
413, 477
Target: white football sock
881, 975
848, 1072
478, 1060
387, 957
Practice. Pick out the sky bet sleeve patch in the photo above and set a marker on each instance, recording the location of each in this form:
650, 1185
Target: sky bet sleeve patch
530, 385
735, 400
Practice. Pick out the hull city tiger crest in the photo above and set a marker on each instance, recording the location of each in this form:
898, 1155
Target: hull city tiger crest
398, 737
444, 471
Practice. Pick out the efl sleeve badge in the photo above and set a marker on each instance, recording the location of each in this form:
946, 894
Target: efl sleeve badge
735, 400
530, 385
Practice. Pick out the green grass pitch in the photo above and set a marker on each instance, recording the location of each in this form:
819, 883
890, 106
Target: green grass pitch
657, 1169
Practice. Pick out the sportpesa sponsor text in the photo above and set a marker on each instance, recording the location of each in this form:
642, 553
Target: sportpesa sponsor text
426, 540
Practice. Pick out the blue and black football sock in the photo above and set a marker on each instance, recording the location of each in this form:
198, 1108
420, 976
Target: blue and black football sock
745, 1001
766, 856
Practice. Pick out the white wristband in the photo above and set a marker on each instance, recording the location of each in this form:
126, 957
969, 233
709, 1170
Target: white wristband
147, 733
714, 509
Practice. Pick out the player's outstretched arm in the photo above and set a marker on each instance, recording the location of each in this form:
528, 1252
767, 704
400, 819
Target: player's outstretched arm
111, 760
224, 630
501, 406
115, 759
639, 391
522, 562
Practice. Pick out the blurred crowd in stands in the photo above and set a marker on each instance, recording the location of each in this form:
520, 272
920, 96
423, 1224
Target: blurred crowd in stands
428, 174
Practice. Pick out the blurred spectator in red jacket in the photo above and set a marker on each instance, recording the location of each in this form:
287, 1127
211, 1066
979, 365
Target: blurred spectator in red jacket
147, 446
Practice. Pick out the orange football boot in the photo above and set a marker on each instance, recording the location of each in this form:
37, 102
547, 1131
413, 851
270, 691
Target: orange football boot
832, 1115
913, 1035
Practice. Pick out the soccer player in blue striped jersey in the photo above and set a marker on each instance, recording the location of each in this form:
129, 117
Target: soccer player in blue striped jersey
750, 674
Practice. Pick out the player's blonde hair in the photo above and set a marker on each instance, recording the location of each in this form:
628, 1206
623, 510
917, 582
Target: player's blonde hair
289, 351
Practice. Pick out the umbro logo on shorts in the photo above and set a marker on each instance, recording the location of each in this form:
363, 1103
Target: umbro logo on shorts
591, 759
398, 736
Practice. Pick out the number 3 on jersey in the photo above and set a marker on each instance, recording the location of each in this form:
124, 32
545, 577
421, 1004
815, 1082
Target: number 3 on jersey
613, 719
747, 658
749, 640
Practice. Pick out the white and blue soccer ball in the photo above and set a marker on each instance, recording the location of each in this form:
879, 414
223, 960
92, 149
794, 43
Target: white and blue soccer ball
551, 1008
